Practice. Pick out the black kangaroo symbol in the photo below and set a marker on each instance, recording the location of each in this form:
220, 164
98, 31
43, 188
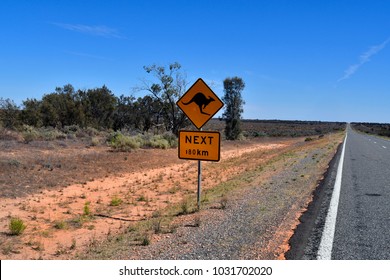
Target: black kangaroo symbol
200, 100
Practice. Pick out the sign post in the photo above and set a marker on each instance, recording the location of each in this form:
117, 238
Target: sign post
199, 183
199, 104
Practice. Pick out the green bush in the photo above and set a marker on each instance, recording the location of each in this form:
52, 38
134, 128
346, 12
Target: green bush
259, 134
16, 226
30, 133
60, 224
95, 141
91, 131
120, 142
86, 209
71, 129
115, 201
171, 138
50, 134
157, 141
160, 141
146, 240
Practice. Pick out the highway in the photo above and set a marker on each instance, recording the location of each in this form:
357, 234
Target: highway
363, 216
349, 218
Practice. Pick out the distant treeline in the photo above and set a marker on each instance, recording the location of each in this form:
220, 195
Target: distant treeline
381, 129
98, 108
292, 122
281, 128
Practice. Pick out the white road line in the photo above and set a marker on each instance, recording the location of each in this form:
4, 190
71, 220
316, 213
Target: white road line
326, 245
384, 147
374, 142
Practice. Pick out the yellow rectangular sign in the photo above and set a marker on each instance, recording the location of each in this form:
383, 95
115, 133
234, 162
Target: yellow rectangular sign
199, 145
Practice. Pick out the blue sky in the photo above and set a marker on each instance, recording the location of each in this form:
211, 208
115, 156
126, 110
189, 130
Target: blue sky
304, 60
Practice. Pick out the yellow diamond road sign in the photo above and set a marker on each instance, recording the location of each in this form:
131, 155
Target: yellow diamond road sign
199, 145
199, 103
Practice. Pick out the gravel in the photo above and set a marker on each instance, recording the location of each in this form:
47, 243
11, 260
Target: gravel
257, 221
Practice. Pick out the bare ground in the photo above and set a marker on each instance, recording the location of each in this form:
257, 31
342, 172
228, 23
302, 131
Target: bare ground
52, 187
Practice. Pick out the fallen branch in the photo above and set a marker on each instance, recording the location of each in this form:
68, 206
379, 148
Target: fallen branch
118, 218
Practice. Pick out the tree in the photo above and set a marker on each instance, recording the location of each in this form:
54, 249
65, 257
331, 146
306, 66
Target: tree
143, 113
124, 112
61, 108
9, 113
233, 106
51, 105
31, 113
170, 85
99, 107
149, 113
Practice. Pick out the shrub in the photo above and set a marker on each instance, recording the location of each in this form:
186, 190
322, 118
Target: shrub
223, 202
161, 141
145, 240
30, 133
197, 221
86, 209
142, 198
16, 226
60, 225
120, 142
50, 134
157, 141
71, 129
95, 141
185, 207
384, 132
14, 162
171, 138
157, 226
91, 131
115, 201
259, 134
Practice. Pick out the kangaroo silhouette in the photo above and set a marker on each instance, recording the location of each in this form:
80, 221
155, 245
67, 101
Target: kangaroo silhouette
201, 100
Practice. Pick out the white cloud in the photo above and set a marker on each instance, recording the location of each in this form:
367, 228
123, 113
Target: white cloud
98, 30
363, 58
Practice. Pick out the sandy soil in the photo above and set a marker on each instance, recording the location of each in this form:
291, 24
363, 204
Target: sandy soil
264, 203
70, 197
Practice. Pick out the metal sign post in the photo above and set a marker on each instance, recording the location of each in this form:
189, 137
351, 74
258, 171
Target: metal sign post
199, 145
199, 181
199, 104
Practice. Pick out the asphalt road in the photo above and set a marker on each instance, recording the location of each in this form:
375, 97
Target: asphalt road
362, 216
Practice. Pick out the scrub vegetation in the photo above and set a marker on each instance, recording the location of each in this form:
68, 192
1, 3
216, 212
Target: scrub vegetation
381, 129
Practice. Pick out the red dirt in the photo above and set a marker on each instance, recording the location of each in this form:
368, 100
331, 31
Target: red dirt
145, 181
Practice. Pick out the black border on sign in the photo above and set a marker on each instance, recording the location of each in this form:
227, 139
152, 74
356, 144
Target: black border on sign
211, 116
198, 131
